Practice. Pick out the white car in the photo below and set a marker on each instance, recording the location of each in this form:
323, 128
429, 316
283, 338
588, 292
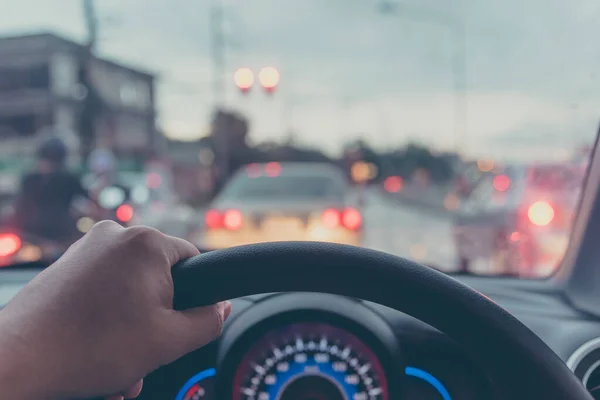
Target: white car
282, 201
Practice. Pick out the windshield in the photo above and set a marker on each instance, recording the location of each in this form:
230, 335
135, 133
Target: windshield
556, 178
456, 134
288, 188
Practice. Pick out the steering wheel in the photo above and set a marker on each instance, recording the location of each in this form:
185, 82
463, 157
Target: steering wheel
519, 363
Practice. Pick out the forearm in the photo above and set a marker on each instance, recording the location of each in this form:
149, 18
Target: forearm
21, 376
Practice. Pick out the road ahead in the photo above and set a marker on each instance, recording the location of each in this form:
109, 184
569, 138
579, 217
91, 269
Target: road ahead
404, 229
408, 230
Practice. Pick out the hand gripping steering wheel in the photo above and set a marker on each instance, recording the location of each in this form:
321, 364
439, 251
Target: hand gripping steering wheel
520, 365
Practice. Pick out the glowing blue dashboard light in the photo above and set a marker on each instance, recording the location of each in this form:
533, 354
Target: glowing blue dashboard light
207, 373
432, 380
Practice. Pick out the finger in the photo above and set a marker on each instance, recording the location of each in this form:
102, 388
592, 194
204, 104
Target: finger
115, 397
178, 249
198, 326
134, 391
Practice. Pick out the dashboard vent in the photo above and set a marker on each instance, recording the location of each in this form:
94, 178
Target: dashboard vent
585, 363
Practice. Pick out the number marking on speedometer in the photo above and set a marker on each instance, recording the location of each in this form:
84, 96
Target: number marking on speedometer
360, 396
270, 379
283, 367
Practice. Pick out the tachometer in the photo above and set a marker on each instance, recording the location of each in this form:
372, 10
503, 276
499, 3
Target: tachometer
310, 361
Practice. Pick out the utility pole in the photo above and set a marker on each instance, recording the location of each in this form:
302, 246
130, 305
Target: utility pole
459, 67
91, 101
217, 45
91, 23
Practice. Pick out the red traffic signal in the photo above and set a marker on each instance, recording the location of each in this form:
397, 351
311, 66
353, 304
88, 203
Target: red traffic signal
269, 78
244, 79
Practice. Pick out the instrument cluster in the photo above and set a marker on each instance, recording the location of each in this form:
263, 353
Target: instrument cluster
317, 347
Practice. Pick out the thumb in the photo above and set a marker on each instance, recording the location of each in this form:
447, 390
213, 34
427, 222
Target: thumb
197, 327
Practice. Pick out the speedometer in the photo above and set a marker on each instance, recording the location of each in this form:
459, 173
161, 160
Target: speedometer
310, 361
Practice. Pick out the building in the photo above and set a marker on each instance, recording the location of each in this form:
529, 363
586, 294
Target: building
41, 85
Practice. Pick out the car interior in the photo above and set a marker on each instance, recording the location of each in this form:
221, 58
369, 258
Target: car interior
371, 140
370, 325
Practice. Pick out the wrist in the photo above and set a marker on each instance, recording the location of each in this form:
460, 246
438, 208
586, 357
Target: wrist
21, 374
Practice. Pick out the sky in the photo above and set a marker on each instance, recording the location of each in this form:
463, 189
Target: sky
347, 70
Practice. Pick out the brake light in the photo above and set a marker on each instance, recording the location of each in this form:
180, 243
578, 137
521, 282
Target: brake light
9, 244
331, 218
540, 213
213, 219
393, 184
501, 183
351, 219
272, 169
124, 213
230, 219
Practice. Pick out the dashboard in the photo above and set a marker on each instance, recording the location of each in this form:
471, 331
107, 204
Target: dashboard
300, 346
311, 346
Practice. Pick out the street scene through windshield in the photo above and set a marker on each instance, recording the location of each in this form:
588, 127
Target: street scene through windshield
454, 134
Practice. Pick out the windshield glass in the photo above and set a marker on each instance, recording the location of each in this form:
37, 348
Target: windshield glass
282, 187
456, 134
556, 178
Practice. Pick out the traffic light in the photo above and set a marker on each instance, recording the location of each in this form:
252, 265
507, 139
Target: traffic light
244, 79
269, 78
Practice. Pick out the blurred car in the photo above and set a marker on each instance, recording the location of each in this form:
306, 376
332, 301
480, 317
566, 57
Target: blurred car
146, 198
518, 221
287, 201
155, 203
16, 248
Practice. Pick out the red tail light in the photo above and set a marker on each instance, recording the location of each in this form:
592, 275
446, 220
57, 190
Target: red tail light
9, 244
272, 169
540, 213
124, 213
213, 219
351, 219
230, 219
331, 218
501, 183
393, 184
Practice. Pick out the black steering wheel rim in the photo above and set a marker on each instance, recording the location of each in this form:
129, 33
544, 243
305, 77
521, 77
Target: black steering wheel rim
521, 364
